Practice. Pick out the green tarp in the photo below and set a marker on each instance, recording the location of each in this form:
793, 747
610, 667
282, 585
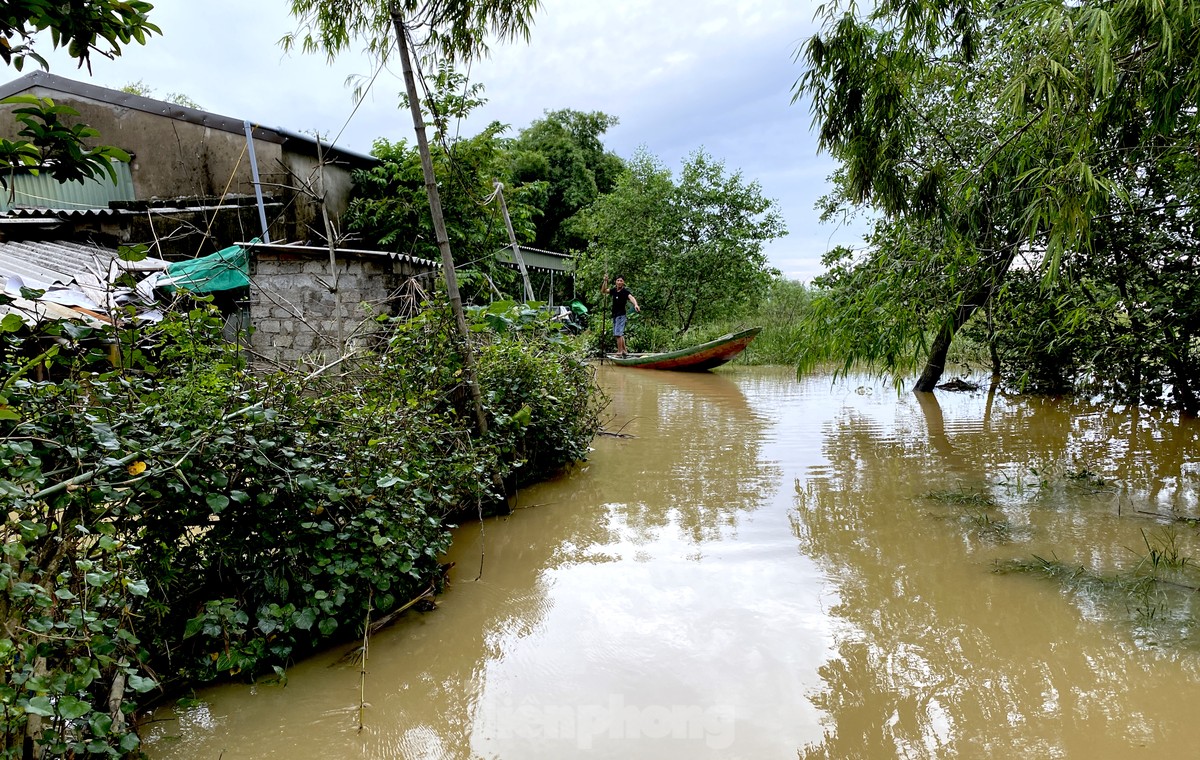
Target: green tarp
227, 269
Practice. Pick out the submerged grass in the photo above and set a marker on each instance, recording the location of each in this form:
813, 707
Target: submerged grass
973, 510
1157, 595
962, 498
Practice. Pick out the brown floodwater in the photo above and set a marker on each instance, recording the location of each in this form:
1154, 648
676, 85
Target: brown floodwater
767, 568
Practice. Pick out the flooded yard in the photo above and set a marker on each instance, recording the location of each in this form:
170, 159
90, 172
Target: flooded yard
765, 568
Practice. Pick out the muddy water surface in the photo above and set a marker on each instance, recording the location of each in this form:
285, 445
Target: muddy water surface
768, 568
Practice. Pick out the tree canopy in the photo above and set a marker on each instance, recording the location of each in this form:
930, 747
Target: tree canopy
389, 208
692, 248
50, 135
81, 28
992, 136
564, 151
455, 29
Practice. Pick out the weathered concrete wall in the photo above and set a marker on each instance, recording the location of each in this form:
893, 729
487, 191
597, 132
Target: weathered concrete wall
183, 152
296, 316
337, 184
172, 157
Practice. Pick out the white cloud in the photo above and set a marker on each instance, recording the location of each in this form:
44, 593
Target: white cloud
679, 74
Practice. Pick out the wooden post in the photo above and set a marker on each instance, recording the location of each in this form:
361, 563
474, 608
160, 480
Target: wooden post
333, 267
439, 223
512, 239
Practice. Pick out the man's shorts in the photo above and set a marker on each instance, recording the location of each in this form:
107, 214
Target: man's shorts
619, 326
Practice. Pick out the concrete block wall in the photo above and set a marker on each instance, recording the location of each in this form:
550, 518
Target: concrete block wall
295, 314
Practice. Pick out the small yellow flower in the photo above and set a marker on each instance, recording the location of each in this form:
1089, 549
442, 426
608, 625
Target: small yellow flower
137, 468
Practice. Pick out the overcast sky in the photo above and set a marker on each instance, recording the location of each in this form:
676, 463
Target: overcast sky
679, 74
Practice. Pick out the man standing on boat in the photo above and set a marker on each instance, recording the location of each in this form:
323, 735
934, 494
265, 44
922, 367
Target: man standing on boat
620, 297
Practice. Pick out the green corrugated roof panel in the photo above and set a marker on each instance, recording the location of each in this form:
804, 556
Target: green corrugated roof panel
43, 191
536, 258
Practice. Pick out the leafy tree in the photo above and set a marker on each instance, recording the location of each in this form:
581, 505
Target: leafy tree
691, 249
1126, 314
52, 137
925, 140
990, 136
146, 91
564, 151
82, 28
56, 141
389, 208
454, 29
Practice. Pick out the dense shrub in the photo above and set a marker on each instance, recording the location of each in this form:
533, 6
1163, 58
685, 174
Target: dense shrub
178, 518
540, 392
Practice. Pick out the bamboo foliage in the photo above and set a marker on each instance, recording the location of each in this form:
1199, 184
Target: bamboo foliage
984, 136
455, 29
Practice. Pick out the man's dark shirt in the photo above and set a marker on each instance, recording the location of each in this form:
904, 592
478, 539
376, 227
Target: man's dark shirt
620, 300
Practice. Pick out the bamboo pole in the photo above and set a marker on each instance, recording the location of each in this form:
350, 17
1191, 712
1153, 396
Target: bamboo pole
362, 671
435, 211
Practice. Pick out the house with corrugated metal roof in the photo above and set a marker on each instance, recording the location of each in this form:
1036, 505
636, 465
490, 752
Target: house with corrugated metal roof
191, 185
192, 189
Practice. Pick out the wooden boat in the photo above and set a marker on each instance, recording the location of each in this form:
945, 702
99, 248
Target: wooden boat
693, 359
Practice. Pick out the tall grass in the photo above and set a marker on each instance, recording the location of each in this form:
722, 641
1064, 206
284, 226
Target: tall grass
779, 315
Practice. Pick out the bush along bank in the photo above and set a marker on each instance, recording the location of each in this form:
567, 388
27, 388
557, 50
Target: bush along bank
177, 519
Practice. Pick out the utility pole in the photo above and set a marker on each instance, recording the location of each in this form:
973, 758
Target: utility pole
439, 223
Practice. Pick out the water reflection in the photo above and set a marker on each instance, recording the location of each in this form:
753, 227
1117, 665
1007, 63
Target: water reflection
944, 658
757, 573
696, 461
613, 593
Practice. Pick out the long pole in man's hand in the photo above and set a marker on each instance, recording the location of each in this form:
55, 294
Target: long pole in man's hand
604, 321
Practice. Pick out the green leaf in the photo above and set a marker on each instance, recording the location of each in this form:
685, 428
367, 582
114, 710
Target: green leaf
11, 323
133, 252
328, 626
523, 417
101, 724
306, 618
194, 626
8, 488
71, 708
40, 706
141, 684
216, 502
77, 332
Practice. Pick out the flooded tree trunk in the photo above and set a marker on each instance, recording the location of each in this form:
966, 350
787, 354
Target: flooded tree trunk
1184, 387
935, 365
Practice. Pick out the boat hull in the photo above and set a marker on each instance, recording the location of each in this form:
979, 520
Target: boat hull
693, 359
